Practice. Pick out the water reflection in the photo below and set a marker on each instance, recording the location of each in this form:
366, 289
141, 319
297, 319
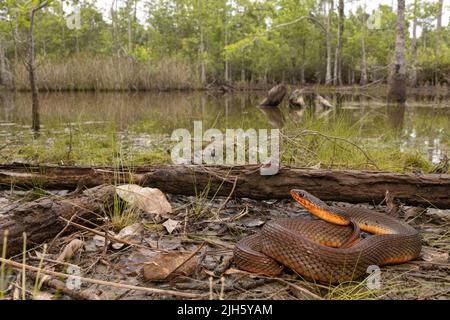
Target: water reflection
395, 116
273, 115
422, 124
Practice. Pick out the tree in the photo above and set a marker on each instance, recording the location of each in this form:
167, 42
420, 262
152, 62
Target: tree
33, 8
397, 83
337, 58
413, 77
328, 75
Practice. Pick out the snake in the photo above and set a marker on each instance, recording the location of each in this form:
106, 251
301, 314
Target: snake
331, 249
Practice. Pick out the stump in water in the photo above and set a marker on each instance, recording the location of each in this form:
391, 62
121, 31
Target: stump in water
397, 86
296, 99
274, 96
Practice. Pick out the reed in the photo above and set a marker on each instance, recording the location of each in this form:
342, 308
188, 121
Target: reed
101, 73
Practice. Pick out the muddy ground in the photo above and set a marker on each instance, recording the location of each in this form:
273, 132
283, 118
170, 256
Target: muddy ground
203, 236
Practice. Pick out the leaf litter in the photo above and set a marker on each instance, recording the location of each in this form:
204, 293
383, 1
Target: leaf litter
189, 250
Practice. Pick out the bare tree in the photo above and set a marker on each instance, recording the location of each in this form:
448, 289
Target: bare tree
363, 80
328, 75
337, 58
202, 45
31, 67
439, 17
413, 77
397, 83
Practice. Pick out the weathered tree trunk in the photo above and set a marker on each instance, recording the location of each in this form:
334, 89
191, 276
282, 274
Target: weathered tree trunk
413, 78
328, 75
202, 46
397, 83
337, 58
227, 62
363, 80
337, 185
40, 219
274, 96
439, 19
303, 64
36, 123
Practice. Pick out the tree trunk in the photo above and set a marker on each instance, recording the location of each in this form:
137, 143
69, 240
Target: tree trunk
114, 26
364, 79
5, 74
202, 45
397, 83
274, 96
337, 185
413, 77
439, 19
227, 63
36, 123
41, 219
303, 63
328, 75
337, 58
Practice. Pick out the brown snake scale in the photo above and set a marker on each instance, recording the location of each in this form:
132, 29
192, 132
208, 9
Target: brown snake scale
324, 251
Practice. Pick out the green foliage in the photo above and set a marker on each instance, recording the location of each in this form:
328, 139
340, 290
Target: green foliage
260, 41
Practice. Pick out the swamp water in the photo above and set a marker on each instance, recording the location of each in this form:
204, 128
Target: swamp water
361, 132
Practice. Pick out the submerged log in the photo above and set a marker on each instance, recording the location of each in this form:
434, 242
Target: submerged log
338, 185
40, 219
274, 96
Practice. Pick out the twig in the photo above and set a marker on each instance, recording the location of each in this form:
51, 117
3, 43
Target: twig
19, 266
306, 291
61, 286
228, 198
101, 233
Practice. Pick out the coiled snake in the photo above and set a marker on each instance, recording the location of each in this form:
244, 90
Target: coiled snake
328, 250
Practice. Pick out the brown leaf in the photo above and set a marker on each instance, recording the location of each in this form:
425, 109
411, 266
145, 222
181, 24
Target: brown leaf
4, 203
434, 256
161, 266
149, 200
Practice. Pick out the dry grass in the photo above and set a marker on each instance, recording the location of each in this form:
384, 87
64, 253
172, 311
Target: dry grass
108, 73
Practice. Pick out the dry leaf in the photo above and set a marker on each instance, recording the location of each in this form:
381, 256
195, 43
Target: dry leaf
162, 266
128, 233
434, 256
42, 295
171, 225
149, 200
4, 203
70, 250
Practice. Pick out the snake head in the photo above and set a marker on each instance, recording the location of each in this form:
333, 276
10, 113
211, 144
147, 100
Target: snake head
318, 208
307, 200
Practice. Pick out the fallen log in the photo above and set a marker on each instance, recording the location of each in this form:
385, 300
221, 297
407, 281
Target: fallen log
40, 219
337, 185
